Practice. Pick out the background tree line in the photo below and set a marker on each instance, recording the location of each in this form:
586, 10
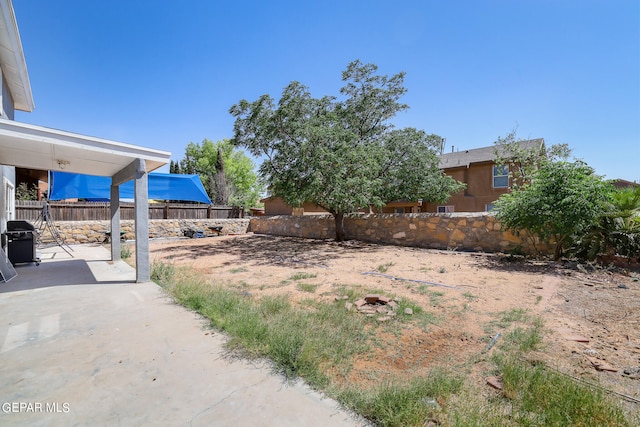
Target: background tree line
227, 173
343, 154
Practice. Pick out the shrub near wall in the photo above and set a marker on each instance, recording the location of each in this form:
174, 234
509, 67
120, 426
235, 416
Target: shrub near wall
94, 231
475, 231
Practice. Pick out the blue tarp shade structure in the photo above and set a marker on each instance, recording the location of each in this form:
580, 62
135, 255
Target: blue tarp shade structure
162, 186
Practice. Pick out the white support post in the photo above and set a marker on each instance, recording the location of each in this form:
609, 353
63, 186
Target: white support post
115, 222
136, 170
141, 191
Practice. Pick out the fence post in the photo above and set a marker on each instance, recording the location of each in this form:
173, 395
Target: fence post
209, 212
166, 211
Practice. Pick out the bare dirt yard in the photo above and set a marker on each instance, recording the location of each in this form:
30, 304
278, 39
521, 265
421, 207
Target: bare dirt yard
591, 315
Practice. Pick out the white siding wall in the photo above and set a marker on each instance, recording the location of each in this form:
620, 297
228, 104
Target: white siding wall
7, 102
7, 174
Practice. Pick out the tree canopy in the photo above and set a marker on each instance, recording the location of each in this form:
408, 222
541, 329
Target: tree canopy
230, 180
342, 154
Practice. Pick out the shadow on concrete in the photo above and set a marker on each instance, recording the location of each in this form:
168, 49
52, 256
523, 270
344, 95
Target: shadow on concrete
60, 273
50, 274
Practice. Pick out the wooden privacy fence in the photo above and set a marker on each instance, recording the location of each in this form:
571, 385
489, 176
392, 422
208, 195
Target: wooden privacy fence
88, 211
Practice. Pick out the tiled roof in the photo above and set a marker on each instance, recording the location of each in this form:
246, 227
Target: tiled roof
477, 155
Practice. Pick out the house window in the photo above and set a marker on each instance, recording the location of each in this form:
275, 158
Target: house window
9, 200
446, 209
398, 210
500, 176
489, 207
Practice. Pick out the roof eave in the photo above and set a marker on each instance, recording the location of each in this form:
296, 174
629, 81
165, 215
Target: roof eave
37, 147
14, 63
466, 158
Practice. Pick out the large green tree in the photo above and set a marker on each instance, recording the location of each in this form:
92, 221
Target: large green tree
342, 154
235, 171
559, 203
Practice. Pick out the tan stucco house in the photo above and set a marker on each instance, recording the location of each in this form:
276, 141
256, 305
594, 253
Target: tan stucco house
485, 180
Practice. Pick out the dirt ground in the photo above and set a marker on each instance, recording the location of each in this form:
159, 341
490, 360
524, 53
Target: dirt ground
591, 315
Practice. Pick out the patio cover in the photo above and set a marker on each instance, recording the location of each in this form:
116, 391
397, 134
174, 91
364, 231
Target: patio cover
37, 147
162, 186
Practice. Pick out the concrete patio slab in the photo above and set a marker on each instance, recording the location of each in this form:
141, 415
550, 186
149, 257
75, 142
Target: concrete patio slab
79, 345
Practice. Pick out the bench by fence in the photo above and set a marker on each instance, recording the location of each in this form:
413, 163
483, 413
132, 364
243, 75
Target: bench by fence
89, 211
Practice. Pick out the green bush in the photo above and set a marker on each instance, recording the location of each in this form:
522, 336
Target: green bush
562, 201
125, 252
616, 231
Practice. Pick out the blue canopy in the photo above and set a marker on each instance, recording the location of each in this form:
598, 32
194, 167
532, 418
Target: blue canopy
162, 186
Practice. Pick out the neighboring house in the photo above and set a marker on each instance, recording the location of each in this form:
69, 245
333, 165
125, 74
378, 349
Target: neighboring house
400, 206
623, 183
27, 147
276, 206
476, 167
33, 179
485, 180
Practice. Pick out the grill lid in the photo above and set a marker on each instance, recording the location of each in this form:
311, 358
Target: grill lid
20, 225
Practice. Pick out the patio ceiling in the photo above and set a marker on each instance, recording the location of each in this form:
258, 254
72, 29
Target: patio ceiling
36, 147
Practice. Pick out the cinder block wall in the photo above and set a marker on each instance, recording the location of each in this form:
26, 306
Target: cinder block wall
477, 231
94, 231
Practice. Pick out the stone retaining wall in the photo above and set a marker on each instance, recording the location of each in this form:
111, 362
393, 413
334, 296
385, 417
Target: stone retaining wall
460, 231
94, 231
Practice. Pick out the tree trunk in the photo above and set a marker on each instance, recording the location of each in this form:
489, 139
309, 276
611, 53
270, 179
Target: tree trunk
339, 218
220, 185
557, 254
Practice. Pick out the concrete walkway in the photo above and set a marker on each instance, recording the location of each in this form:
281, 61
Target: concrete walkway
81, 346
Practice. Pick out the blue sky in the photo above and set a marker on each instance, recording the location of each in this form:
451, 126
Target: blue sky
162, 73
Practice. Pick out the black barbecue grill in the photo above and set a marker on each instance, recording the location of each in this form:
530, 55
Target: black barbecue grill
21, 242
